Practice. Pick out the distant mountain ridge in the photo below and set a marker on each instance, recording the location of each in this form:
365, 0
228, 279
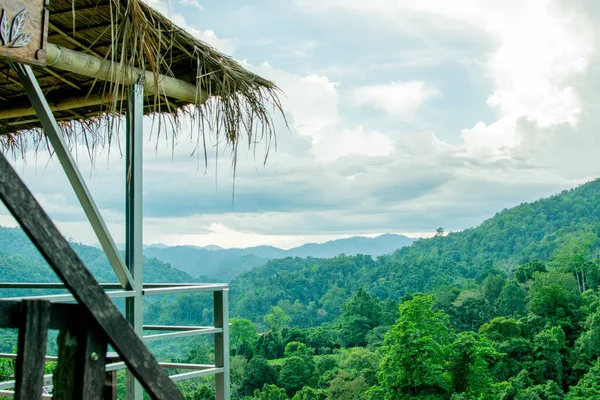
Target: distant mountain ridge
226, 264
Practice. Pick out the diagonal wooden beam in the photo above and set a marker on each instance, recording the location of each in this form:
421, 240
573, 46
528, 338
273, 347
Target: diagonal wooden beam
81, 283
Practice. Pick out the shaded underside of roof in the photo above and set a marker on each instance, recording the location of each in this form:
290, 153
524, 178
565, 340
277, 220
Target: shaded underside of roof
132, 34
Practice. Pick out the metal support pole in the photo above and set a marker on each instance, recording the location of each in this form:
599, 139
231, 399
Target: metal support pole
221, 306
54, 134
133, 218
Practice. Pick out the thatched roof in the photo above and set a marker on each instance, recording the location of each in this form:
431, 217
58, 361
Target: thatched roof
130, 33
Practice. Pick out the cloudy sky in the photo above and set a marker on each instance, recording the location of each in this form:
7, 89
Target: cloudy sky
404, 115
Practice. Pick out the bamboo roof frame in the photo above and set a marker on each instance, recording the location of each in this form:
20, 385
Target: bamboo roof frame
96, 48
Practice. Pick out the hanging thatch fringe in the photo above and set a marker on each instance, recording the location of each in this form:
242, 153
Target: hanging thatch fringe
180, 73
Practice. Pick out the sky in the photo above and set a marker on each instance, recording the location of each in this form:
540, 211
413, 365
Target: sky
404, 115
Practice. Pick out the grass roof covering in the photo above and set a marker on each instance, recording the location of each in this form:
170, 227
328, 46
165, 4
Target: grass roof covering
231, 102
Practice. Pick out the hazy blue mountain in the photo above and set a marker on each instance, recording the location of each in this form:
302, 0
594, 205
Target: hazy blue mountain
226, 264
20, 261
384, 244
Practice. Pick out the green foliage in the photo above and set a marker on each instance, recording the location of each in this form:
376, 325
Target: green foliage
203, 393
589, 386
296, 372
344, 387
277, 319
242, 336
361, 314
471, 357
525, 272
308, 393
6, 369
270, 392
415, 353
511, 301
257, 373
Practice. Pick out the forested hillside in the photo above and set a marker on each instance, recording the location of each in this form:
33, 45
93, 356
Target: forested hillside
222, 265
313, 289
507, 310
21, 262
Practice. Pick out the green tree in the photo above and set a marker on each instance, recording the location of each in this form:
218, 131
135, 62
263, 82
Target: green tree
470, 364
344, 387
507, 335
588, 344
277, 319
492, 287
257, 374
361, 314
415, 353
550, 356
270, 392
470, 314
588, 386
525, 272
558, 306
296, 372
308, 393
204, 393
361, 362
297, 349
511, 301
242, 336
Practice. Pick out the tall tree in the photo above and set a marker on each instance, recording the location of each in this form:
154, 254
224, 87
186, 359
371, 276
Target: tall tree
470, 364
277, 319
415, 353
242, 336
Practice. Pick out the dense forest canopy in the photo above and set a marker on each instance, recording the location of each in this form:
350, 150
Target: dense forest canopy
507, 310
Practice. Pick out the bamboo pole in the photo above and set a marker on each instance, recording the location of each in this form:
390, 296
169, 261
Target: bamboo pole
104, 70
67, 104
95, 67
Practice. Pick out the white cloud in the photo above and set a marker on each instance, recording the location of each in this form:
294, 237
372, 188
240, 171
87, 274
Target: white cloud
352, 142
400, 99
305, 48
191, 3
186, 22
335, 174
311, 101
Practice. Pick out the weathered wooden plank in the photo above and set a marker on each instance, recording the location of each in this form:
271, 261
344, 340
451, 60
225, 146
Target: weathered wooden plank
62, 316
92, 361
80, 372
71, 270
64, 378
10, 314
33, 339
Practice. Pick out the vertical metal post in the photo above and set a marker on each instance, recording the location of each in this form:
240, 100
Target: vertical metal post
221, 307
54, 134
133, 219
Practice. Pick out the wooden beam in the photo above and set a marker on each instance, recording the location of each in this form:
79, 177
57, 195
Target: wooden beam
33, 339
71, 270
80, 373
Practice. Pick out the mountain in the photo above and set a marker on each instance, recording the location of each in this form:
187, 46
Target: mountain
313, 290
384, 244
20, 261
226, 264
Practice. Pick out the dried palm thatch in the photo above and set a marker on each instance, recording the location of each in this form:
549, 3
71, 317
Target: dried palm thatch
129, 36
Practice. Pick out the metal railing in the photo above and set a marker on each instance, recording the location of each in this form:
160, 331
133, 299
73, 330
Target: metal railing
220, 330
